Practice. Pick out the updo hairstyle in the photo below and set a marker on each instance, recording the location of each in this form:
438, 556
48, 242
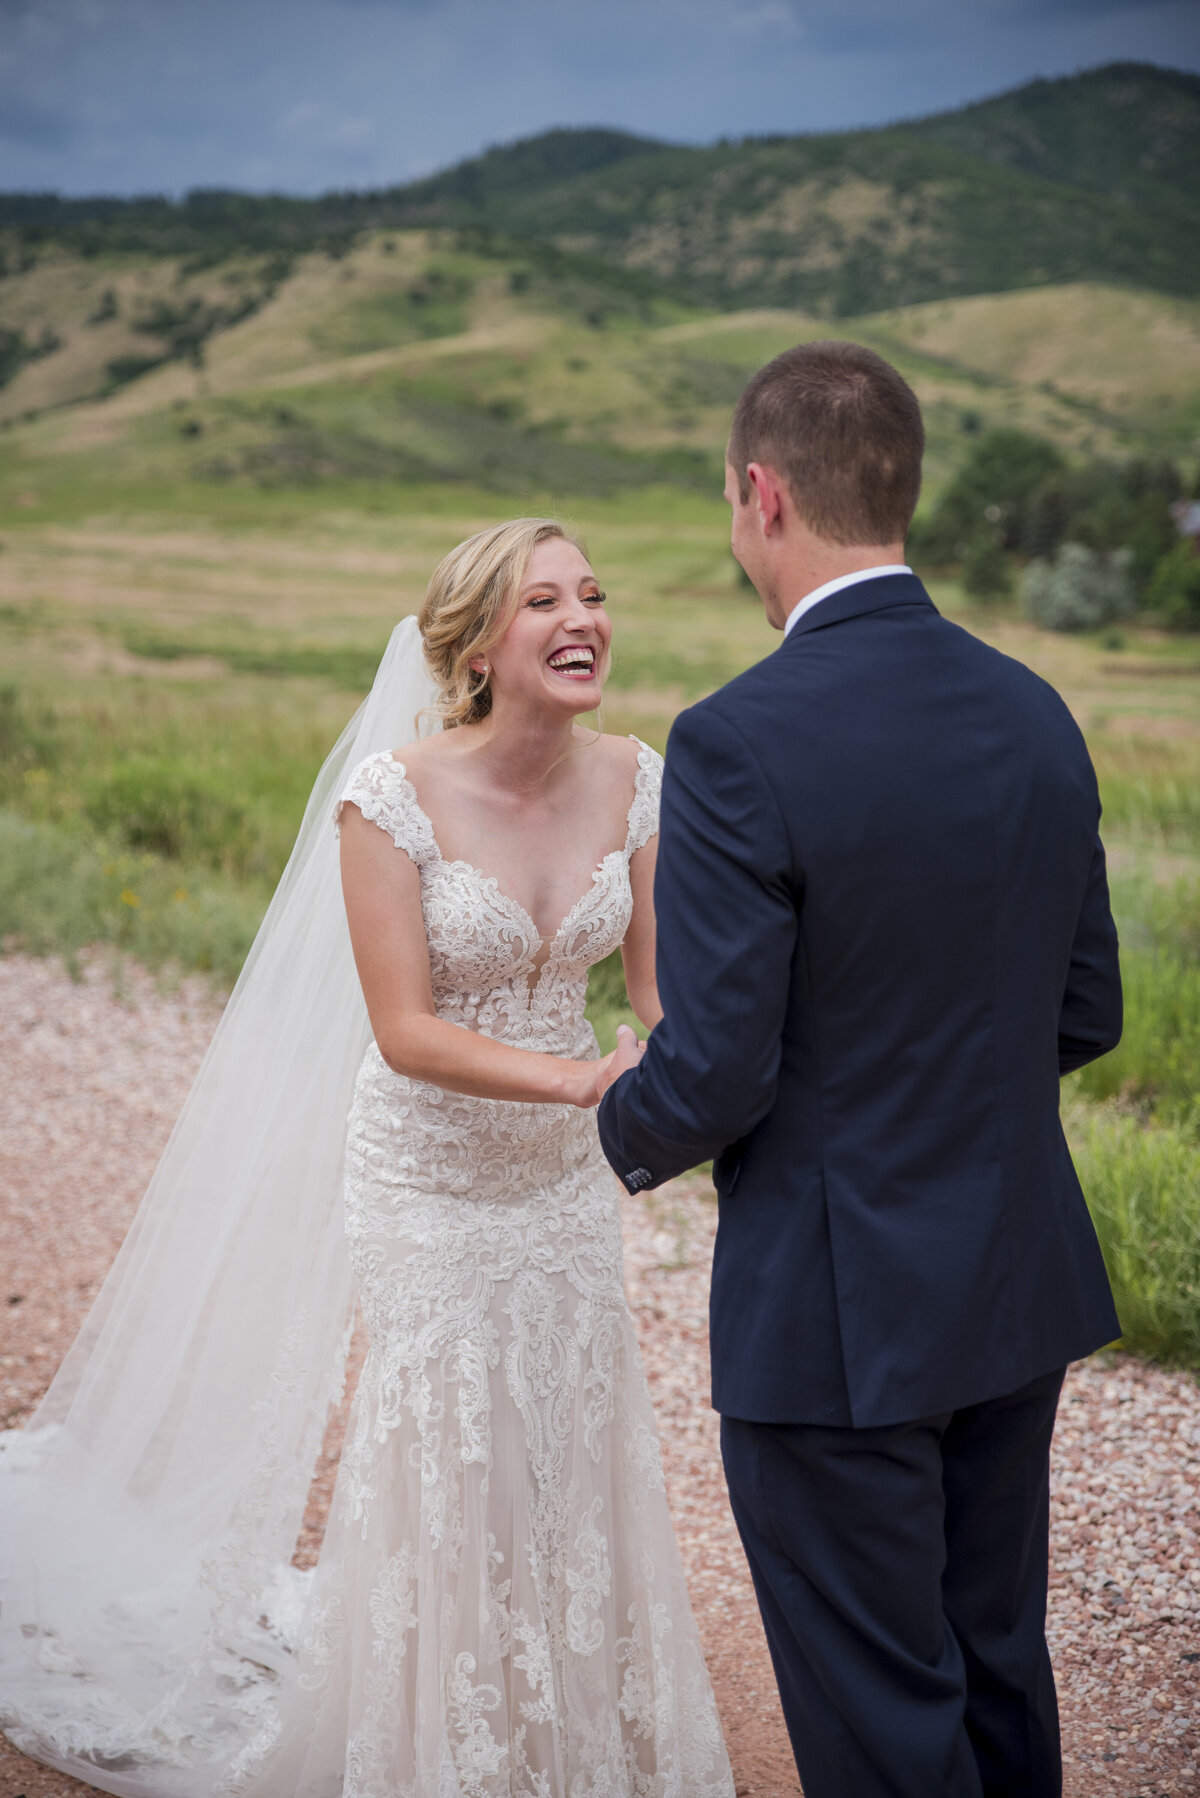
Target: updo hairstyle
470, 602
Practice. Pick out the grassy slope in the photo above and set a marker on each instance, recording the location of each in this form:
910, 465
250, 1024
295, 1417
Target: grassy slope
523, 380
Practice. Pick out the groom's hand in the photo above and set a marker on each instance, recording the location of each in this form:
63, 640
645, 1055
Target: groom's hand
626, 1055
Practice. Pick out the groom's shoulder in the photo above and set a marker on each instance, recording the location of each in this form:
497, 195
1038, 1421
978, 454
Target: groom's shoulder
1005, 671
729, 733
742, 700
733, 705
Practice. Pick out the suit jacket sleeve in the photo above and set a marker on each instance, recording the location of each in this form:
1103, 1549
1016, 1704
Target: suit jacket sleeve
726, 903
1089, 1023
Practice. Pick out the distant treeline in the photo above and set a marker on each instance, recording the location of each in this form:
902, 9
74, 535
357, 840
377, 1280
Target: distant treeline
214, 223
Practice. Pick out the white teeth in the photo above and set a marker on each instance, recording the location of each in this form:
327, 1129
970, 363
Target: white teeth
573, 658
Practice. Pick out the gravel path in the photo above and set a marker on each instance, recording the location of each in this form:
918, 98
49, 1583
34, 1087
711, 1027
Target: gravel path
90, 1082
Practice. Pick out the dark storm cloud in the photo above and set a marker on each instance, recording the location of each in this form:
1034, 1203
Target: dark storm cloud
1076, 9
130, 95
37, 127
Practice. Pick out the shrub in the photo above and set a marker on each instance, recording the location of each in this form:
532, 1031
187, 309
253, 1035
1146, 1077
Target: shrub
985, 572
106, 308
1106, 506
14, 353
1079, 589
993, 488
1174, 588
123, 369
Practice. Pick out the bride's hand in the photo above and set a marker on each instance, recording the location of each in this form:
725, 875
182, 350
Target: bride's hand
626, 1055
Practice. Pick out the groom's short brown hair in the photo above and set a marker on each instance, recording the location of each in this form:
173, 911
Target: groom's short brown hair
844, 430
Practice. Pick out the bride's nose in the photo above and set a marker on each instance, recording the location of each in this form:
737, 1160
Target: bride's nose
579, 619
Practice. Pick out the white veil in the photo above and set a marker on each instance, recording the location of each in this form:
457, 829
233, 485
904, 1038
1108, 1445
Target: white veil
149, 1512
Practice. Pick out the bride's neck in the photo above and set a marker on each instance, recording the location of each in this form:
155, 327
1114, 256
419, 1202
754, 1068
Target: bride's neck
518, 747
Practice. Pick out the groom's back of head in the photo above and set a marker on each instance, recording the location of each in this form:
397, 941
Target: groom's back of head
844, 430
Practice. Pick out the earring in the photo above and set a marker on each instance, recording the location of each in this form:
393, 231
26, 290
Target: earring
486, 669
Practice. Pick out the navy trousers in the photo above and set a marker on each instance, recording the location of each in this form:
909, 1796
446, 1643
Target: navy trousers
901, 1573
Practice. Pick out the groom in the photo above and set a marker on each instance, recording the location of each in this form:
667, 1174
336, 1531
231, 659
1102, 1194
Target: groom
884, 932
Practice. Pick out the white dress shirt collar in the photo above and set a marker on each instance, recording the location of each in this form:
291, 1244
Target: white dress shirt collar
843, 580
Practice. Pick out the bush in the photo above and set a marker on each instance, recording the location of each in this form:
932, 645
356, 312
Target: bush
1105, 506
123, 369
985, 571
16, 349
1174, 588
991, 494
105, 309
1079, 589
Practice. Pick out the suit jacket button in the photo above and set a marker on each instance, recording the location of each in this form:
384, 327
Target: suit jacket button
639, 1177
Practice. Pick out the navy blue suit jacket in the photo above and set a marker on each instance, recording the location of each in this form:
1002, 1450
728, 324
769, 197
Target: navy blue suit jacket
884, 932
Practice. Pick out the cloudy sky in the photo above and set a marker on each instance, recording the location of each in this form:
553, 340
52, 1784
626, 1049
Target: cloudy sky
134, 96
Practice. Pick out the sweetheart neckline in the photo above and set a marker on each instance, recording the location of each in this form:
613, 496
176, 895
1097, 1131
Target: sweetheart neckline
492, 881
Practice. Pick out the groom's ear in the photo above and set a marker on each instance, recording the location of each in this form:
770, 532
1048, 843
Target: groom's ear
768, 490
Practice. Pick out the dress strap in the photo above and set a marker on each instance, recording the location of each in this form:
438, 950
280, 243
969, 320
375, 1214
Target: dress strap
642, 820
383, 793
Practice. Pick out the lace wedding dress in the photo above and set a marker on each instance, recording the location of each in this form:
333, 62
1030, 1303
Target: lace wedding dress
499, 1606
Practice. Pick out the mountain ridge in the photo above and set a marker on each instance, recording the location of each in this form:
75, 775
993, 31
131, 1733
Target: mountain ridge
1093, 177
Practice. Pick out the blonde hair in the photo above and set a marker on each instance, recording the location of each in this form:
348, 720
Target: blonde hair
470, 602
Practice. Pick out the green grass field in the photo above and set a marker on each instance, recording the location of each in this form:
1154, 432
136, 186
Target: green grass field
199, 571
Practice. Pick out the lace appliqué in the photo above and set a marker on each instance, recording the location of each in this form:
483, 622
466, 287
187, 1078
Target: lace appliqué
499, 1610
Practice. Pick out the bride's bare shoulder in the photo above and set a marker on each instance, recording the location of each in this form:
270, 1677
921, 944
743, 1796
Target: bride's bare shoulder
615, 769
621, 752
428, 752
624, 755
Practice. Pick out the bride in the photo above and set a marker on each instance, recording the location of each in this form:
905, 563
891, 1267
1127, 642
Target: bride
499, 1606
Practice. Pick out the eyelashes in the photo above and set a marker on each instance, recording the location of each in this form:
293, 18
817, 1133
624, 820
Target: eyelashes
541, 600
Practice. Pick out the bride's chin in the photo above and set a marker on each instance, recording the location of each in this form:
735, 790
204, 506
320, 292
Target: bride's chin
577, 696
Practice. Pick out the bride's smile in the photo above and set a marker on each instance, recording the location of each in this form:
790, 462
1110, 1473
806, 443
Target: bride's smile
554, 652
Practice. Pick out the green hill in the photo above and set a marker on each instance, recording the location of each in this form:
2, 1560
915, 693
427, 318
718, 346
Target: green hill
1129, 131
411, 359
842, 225
1092, 178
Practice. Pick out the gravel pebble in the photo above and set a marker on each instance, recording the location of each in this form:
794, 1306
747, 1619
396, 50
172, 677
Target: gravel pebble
92, 1074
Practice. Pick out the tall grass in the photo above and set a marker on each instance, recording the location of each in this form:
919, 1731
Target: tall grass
1143, 1190
1133, 1120
1151, 786
60, 893
1160, 811
1156, 1067
211, 781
